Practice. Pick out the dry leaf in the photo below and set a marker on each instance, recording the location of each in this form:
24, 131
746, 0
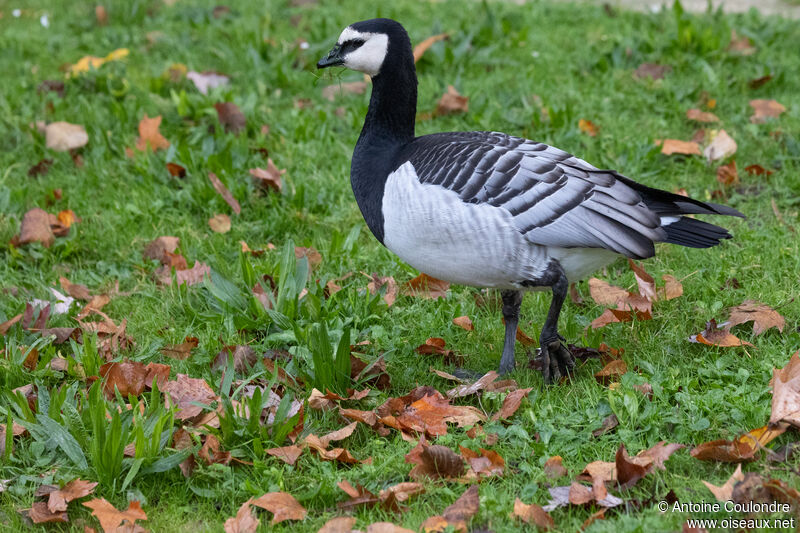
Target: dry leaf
224, 192
353, 87
757, 170
727, 174
554, 467
158, 248
180, 351
175, 170
149, 136
763, 317
740, 45
609, 423
588, 127
132, 377
701, 116
185, 392
220, 223
451, 102
533, 514
244, 358
721, 146
75, 489
243, 522
675, 146
41, 168
423, 47
269, 178
340, 524
110, 518
287, 454
87, 63
741, 449
511, 403
463, 509
311, 254
613, 371
464, 322
672, 288
40, 514
63, 136
425, 286
651, 70
725, 492
765, 109
468, 389
204, 81
487, 463
715, 336
434, 461
377, 282
282, 505
786, 393
35, 227
231, 117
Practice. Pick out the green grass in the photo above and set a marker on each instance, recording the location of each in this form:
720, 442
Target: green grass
576, 60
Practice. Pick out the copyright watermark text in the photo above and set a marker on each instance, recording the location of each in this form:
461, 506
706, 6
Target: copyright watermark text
731, 522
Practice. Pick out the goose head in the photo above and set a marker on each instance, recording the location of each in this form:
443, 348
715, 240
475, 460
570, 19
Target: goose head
368, 46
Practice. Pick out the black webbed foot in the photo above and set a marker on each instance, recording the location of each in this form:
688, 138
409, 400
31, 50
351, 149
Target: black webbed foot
557, 360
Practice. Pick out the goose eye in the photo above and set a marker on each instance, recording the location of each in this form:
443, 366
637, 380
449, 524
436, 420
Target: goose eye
352, 44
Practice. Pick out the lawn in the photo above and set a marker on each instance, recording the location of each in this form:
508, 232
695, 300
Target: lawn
534, 70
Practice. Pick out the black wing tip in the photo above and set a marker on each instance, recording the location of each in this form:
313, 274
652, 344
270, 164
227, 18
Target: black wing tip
694, 233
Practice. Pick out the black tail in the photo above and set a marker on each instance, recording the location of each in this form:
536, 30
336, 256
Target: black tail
694, 233
685, 231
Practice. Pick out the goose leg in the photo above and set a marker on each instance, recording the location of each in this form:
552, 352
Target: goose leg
512, 300
557, 360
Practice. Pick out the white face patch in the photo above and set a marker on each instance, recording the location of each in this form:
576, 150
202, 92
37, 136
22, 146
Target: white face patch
368, 57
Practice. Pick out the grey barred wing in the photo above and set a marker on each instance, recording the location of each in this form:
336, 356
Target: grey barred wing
554, 198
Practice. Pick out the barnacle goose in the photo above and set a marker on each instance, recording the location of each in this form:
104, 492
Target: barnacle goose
491, 210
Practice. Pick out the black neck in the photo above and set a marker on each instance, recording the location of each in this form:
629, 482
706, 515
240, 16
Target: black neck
393, 104
388, 126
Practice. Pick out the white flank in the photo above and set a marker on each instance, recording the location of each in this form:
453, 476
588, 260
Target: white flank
368, 57
431, 229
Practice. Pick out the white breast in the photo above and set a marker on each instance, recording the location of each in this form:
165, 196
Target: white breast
431, 229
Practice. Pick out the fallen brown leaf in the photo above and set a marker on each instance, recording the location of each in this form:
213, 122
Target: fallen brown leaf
725, 492
464, 322
727, 174
353, 87
740, 45
340, 524
63, 136
75, 489
609, 423
765, 109
287, 454
701, 116
715, 336
741, 449
231, 117
435, 462
675, 146
391, 289
311, 254
40, 514
425, 286
721, 146
487, 463
554, 467
225, 193
244, 358
243, 522
282, 505
763, 317
110, 518
613, 371
451, 102
588, 127
41, 168
175, 170
149, 136
185, 391
533, 514
268, 178
220, 223
651, 70
757, 170
511, 403
180, 351
468, 389
786, 393
423, 47
159, 247
35, 227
